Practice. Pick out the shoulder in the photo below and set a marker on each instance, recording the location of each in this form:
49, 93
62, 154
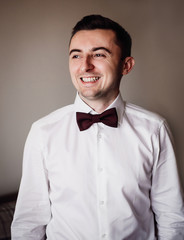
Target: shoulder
49, 126
143, 118
142, 113
55, 117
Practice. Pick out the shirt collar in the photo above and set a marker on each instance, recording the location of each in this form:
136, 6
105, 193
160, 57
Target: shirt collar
118, 103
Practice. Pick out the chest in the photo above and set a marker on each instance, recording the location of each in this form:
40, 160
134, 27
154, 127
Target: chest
116, 156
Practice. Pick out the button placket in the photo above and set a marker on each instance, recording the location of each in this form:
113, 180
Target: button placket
101, 184
99, 136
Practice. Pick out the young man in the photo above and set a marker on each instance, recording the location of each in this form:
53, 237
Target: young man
100, 168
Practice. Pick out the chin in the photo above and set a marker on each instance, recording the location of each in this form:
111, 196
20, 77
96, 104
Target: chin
88, 94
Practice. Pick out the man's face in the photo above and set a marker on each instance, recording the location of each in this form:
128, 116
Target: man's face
95, 64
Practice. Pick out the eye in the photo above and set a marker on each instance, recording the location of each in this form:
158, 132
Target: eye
99, 55
75, 56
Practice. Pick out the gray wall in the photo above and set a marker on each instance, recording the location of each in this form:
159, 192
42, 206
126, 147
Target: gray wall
34, 77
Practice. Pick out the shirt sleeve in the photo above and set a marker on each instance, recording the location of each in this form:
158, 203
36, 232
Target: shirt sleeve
32, 212
166, 196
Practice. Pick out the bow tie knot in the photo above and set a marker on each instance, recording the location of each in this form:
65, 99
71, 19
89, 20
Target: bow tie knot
95, 118
109, 118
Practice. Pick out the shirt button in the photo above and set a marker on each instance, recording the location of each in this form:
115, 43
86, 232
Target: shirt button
100, 169
102, 202
99, 136
104, 235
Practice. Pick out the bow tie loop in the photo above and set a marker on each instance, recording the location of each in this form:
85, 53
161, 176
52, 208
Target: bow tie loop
109, 118
95, 118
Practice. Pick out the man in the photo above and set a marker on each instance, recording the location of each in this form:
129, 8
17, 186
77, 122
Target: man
110, 176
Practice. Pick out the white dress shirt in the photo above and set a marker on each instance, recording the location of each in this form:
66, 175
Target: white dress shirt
102, 183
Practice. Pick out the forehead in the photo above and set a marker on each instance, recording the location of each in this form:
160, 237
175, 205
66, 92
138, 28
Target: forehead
93, 38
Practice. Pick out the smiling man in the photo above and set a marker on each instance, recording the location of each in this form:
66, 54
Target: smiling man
96, 66
101, 168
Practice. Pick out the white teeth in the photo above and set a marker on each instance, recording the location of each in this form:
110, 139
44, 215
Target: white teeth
89, 79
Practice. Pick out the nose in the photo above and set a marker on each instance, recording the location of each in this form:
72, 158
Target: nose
87, 64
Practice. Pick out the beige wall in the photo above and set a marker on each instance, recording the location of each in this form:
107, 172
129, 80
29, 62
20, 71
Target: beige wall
34, 77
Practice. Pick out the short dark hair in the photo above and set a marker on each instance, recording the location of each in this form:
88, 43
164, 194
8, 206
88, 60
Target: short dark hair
92, 22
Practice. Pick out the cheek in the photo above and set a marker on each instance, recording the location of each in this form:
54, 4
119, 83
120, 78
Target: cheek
73, 68
74, 81
104, 68
116, 69
110, 70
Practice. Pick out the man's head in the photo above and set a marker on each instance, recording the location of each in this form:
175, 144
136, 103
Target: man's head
93, 22
99, 55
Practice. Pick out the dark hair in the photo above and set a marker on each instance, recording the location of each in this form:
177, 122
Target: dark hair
93, 22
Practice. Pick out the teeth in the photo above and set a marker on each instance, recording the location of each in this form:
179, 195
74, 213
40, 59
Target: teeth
89, 79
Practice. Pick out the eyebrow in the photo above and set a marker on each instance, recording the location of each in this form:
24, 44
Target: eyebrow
93, 50
74, 50
101, 48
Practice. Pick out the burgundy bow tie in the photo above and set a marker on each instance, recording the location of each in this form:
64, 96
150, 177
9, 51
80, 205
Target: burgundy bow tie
109, 117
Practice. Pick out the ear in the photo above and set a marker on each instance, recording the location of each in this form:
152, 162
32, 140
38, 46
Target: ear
128, 64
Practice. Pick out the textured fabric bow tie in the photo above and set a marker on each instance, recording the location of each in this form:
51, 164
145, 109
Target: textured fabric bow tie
109, 117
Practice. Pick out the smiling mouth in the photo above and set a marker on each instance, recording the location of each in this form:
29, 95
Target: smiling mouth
89, 79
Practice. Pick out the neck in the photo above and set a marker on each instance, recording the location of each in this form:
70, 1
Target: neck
99, 105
